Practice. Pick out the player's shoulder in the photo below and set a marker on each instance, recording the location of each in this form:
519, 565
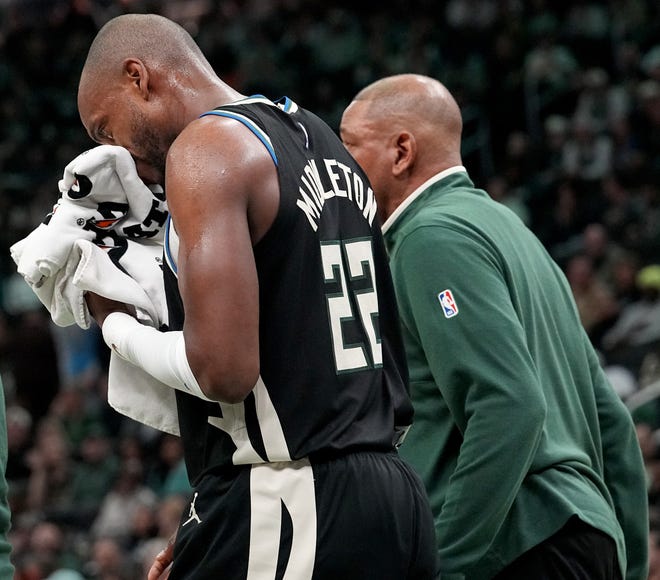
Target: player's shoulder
209, 142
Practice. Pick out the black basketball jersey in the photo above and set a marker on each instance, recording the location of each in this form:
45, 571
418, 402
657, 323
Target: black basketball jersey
332, 370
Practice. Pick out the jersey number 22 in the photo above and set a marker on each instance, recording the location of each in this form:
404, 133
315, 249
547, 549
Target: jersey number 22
349, 266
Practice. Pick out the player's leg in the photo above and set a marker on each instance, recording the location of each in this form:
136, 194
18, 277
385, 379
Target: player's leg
363, 516
259, 523
213, 538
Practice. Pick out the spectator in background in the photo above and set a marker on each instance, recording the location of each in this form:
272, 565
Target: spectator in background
627, 152
650, 62
144, 528
550, 74
107, 561
127, 493
167, 517
620, 214
77, 414
168, 475
6, 567
93, 476
169, 513
32, 361
637, 331
500, 190
515, 419
623, 279
645, 236
51, 466
594, 300
599, 102
654, 554
646, 125
596, 243
46, 551
587, 154
563, 218
19, 441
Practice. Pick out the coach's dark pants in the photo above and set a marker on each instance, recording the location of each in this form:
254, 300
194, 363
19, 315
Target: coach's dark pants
576, 552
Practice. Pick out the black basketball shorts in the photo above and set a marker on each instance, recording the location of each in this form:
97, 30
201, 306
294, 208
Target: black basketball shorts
359, 516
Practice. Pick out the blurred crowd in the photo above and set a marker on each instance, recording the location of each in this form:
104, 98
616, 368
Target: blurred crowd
561, 106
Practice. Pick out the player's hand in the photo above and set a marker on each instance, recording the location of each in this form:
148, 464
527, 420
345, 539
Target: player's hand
100, 307
160, 569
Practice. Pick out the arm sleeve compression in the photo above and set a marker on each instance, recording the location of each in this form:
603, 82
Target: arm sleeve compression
161, 354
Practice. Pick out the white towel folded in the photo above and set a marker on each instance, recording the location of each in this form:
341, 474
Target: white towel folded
103, 200
105, 235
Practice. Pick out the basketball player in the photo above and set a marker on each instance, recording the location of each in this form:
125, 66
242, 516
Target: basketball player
284, 345
530, 459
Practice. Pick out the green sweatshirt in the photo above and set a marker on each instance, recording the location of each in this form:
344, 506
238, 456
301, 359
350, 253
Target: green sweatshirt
516, 427
6, 567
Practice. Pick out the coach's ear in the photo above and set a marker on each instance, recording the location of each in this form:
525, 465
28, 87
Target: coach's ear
138, 75
406, 151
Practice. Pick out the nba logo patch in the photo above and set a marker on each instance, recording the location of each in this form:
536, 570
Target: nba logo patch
448, 303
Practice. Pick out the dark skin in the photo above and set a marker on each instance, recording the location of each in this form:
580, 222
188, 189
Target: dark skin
222, 200
223, 195
402, 130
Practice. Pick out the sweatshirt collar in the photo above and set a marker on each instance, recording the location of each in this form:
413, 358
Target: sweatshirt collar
415, 194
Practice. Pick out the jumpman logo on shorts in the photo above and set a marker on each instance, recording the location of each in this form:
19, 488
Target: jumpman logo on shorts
192, 514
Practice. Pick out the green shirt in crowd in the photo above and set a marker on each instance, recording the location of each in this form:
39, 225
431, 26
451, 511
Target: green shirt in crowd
6, 567
516, 426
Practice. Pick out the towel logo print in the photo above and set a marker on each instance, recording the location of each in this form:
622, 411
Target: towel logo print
449, 306
81, 187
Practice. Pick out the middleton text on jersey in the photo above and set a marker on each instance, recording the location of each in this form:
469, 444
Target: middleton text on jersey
337, 180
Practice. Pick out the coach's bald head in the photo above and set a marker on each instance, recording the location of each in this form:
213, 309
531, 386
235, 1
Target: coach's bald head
143, 81
402, 129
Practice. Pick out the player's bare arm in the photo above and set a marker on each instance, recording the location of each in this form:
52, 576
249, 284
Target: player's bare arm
222, 193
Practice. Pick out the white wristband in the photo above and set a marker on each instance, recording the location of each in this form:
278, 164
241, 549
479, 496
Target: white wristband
161, 354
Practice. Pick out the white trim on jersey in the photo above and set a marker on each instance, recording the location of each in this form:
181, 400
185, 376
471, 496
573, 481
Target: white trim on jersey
251, 100
285, 103
233, 423
171, 246
273, 485
269, 423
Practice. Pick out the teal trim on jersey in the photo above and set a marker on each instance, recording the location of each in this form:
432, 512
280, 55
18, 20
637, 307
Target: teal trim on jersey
168, 251
250, 125
287, 104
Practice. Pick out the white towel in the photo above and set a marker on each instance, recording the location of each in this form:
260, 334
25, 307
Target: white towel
103, 200
105, 235
131, 391
138, 279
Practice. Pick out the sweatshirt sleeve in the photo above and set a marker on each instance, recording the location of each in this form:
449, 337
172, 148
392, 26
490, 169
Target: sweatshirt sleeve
624, 473
479, 359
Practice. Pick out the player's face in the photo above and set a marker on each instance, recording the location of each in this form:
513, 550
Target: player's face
114, 118
368, 146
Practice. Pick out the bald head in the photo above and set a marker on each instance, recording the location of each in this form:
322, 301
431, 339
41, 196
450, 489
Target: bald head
154, 39
414, 122
144, 80
411, 96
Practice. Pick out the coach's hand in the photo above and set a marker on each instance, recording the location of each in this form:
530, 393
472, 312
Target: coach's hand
160, 569
100, 307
